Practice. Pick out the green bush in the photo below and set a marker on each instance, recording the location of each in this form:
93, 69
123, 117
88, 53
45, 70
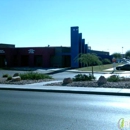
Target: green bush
113, 78
34, 76
106, 61
83, 77
5, 75
9, 78
16, 74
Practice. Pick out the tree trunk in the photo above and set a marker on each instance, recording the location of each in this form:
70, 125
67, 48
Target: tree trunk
92, 70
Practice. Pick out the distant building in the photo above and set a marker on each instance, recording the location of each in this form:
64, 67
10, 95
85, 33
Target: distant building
3, 45
47, 57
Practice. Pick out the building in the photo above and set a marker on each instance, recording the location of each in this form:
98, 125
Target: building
29, 57
47, 57
2, 45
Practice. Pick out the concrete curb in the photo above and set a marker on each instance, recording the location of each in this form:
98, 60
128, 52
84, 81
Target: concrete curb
57, 71
68, 91
100, 72
89, 72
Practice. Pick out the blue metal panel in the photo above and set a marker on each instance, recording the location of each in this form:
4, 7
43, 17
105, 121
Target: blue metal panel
80, 42
74, 46
83, 46
86, 48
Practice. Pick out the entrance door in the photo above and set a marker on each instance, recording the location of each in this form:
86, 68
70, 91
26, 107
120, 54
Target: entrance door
24, 60
66, 61
2, 61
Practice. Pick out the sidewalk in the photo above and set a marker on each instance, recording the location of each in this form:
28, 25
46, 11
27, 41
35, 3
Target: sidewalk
107, 71
39, 70
40, 87
67, 89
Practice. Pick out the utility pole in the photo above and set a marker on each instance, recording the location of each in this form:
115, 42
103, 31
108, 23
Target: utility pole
122, 52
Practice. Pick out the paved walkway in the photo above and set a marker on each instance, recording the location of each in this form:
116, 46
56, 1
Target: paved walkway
107, 71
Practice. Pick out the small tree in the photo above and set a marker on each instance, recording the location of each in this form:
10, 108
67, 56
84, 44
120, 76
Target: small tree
117, 55
89, 60
127, 54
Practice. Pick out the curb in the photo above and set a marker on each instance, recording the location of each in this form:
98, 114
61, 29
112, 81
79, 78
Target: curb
89, 72
68, 91
95, 72
57, 71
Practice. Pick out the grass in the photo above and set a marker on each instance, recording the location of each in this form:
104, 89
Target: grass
99, 67
34, 76
5, 75
83, 77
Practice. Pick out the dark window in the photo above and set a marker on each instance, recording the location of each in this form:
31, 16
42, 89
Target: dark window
38, 62
24, 60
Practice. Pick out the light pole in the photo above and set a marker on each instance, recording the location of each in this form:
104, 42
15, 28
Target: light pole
122, 52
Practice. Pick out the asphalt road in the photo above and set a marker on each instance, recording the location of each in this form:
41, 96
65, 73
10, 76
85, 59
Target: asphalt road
58, 111
62, 75
57, 76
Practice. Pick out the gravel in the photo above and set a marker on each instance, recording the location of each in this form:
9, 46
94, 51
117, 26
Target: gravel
22, 82
120, 84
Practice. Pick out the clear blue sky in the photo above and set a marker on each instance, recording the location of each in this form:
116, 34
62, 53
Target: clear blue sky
105, 24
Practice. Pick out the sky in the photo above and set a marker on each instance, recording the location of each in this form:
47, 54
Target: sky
105, 24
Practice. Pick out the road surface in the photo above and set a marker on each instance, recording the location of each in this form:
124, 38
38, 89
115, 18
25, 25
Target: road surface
59, 111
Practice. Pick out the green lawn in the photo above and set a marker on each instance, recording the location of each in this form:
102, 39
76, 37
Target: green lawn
99, 67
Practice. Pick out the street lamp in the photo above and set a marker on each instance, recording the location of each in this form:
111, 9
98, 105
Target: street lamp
122, 52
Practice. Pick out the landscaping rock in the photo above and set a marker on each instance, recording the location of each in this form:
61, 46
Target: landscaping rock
102, 80
67, 81
16, 78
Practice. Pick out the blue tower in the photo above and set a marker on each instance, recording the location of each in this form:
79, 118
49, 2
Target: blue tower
86, 48
75, 46
78, 46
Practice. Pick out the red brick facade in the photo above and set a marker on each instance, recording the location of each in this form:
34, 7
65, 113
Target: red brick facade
29, 57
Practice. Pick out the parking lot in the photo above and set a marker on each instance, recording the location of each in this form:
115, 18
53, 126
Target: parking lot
68, 73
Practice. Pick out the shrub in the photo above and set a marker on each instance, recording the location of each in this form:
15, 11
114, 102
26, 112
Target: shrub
113, 78
91, 76
9, 78
5, 75
124, 78
16, 74
83, 77
106, 61
34, 76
